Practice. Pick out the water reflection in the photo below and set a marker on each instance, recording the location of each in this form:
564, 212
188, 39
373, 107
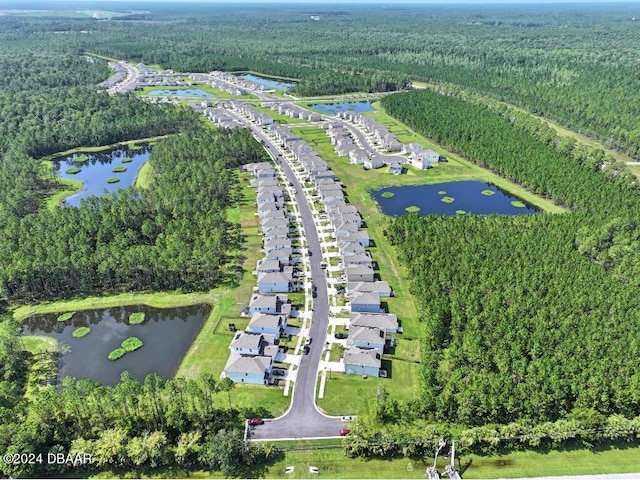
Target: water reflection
466, 197
166, 333
96, 168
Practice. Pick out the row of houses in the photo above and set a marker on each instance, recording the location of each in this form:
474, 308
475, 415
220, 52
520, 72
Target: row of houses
293, 111
229, 81
368, 335
345, 145
253, 351
249, 111
380, 133
119, 74
219, 116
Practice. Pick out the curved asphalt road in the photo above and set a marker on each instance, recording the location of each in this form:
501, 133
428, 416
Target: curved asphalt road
303, 420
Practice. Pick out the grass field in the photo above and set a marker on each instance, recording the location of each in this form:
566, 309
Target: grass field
331, 462
144, 177
68, 186
279, 118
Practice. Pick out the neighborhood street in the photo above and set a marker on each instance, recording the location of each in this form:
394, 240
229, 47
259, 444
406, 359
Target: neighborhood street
303, 420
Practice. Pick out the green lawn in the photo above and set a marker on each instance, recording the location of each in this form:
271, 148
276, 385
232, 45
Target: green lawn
279, 118
39, 343
144, 177
350, 394
332, 463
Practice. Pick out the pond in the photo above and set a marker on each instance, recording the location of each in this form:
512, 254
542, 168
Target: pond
267, 82
450, 199
94, 169
166, 334
334, 108
185, 92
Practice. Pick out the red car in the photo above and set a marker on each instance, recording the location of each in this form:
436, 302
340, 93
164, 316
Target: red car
344, 432
255, 421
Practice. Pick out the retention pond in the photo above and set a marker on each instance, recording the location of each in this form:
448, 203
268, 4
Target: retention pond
103, 171
450, 199
166, 335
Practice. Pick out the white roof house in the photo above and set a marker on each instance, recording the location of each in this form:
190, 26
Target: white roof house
264, 323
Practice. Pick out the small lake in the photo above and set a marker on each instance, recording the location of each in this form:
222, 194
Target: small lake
451, 198
166, 333
267, 82
186, 92
96, 168
334, 108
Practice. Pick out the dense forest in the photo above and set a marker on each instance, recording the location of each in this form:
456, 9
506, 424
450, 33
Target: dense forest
173, 235
156, 423
576, 64
522, 325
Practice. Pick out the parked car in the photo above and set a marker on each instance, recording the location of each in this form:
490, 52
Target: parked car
255, 421
344, 432
305, 350
307, 341
341, 336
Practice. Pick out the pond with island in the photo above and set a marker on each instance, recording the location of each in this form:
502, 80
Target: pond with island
165, 334
452, 198
108, 170
183, 92
334, 108
268, 82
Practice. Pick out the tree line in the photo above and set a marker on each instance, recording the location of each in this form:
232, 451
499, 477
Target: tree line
521, 325
155, 423
576, 65
172, 235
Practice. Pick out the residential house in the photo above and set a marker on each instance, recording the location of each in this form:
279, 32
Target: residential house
351, 248
358, 361
281, 232
373, 162
357, 259
395, 167
384, 321
362, 237
283, 255
359, 273
254, 370
365, 337
276, 243
358, 156
410, 148
271, 223
274, 282
270, 324
365, 302
268, 266
244, 343
381, 287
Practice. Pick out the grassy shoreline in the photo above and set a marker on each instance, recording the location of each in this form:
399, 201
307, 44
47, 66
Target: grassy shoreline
145, 175
102, 148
